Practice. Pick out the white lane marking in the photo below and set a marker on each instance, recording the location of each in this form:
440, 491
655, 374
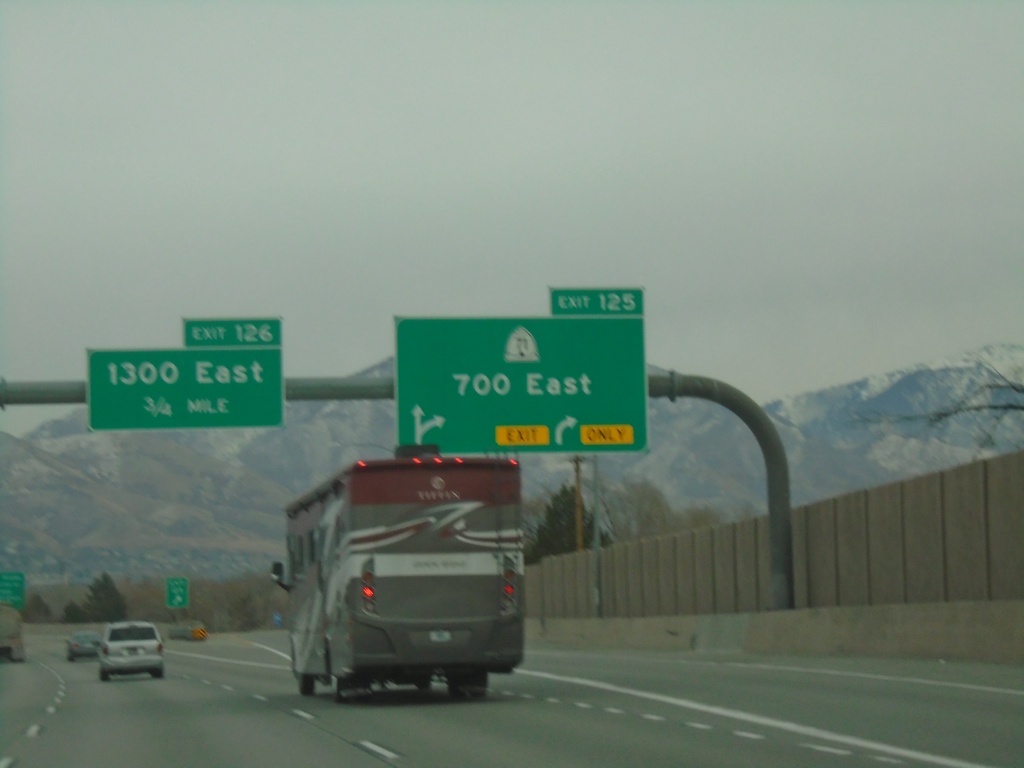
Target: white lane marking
204, 657
51, 710
227, 688
303, 715
655, 718
553, 701
748, 735
883, 678
527, 696
33, 731
614, 711
272, 650
785, 668
377, 749
584, 705
827, 750
509, 693
6, 762
890, 760
260, 698
701, 726
765, 722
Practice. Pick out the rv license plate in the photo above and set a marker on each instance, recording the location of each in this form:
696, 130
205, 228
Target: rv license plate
440, 636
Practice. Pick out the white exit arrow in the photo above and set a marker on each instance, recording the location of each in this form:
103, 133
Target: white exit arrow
422, 427
567, 423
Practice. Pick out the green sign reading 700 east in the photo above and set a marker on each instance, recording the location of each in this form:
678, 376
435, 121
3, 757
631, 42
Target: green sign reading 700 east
542, 384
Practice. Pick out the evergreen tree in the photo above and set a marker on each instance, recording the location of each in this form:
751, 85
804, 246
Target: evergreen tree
557, 532
105, 601
74, 614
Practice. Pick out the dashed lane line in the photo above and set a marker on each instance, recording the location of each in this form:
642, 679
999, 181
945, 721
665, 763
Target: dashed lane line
378, 750
750, 718
828, 750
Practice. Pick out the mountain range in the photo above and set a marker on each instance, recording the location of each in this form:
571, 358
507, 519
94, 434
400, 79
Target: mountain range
209, 503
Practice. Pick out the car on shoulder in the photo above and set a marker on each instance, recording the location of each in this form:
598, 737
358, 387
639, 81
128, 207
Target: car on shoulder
83, 645
131, 647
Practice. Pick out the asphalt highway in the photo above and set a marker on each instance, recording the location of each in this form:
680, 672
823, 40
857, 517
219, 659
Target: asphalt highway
232, 701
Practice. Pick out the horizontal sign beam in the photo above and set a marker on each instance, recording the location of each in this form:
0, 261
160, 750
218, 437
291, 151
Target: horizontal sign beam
671, 385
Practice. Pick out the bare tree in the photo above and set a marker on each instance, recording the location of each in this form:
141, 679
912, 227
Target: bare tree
637, 509
990, 402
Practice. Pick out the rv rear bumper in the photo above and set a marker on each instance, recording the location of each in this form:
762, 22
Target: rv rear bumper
495, 644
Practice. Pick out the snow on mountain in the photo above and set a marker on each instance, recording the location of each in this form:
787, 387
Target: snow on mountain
866, 433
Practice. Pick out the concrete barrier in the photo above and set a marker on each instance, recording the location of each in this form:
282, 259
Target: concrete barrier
989, 631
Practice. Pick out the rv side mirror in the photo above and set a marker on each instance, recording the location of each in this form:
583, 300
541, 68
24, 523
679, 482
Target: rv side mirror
277, 573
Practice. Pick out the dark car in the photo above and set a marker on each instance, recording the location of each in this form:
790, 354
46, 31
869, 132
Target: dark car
83, 645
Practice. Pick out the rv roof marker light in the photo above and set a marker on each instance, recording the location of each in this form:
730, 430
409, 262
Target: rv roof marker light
437, 459
416, 460
360, 463
458, 460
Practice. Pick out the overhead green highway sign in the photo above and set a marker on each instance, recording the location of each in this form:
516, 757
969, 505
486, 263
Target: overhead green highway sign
548, 384
202, 387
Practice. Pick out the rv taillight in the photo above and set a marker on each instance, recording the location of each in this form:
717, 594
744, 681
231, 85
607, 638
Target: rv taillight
509, 601
513, 462
437, 459
369, 593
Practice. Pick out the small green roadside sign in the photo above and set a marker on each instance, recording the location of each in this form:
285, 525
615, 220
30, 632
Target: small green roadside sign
12, 589
177, 592
541, 384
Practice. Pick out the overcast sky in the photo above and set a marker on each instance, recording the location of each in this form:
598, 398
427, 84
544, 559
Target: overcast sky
808, 192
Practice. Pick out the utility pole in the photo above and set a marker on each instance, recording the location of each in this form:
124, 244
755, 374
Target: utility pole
576, 461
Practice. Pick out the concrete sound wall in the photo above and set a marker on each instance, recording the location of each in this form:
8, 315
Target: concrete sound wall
953, 536
987, 631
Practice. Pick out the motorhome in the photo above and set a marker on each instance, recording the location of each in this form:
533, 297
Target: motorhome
406, 571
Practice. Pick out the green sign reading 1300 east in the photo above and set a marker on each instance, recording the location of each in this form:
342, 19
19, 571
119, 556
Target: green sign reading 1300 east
185, 388
554, 384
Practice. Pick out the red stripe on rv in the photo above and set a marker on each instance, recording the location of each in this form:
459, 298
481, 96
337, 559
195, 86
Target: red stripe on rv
431, 483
